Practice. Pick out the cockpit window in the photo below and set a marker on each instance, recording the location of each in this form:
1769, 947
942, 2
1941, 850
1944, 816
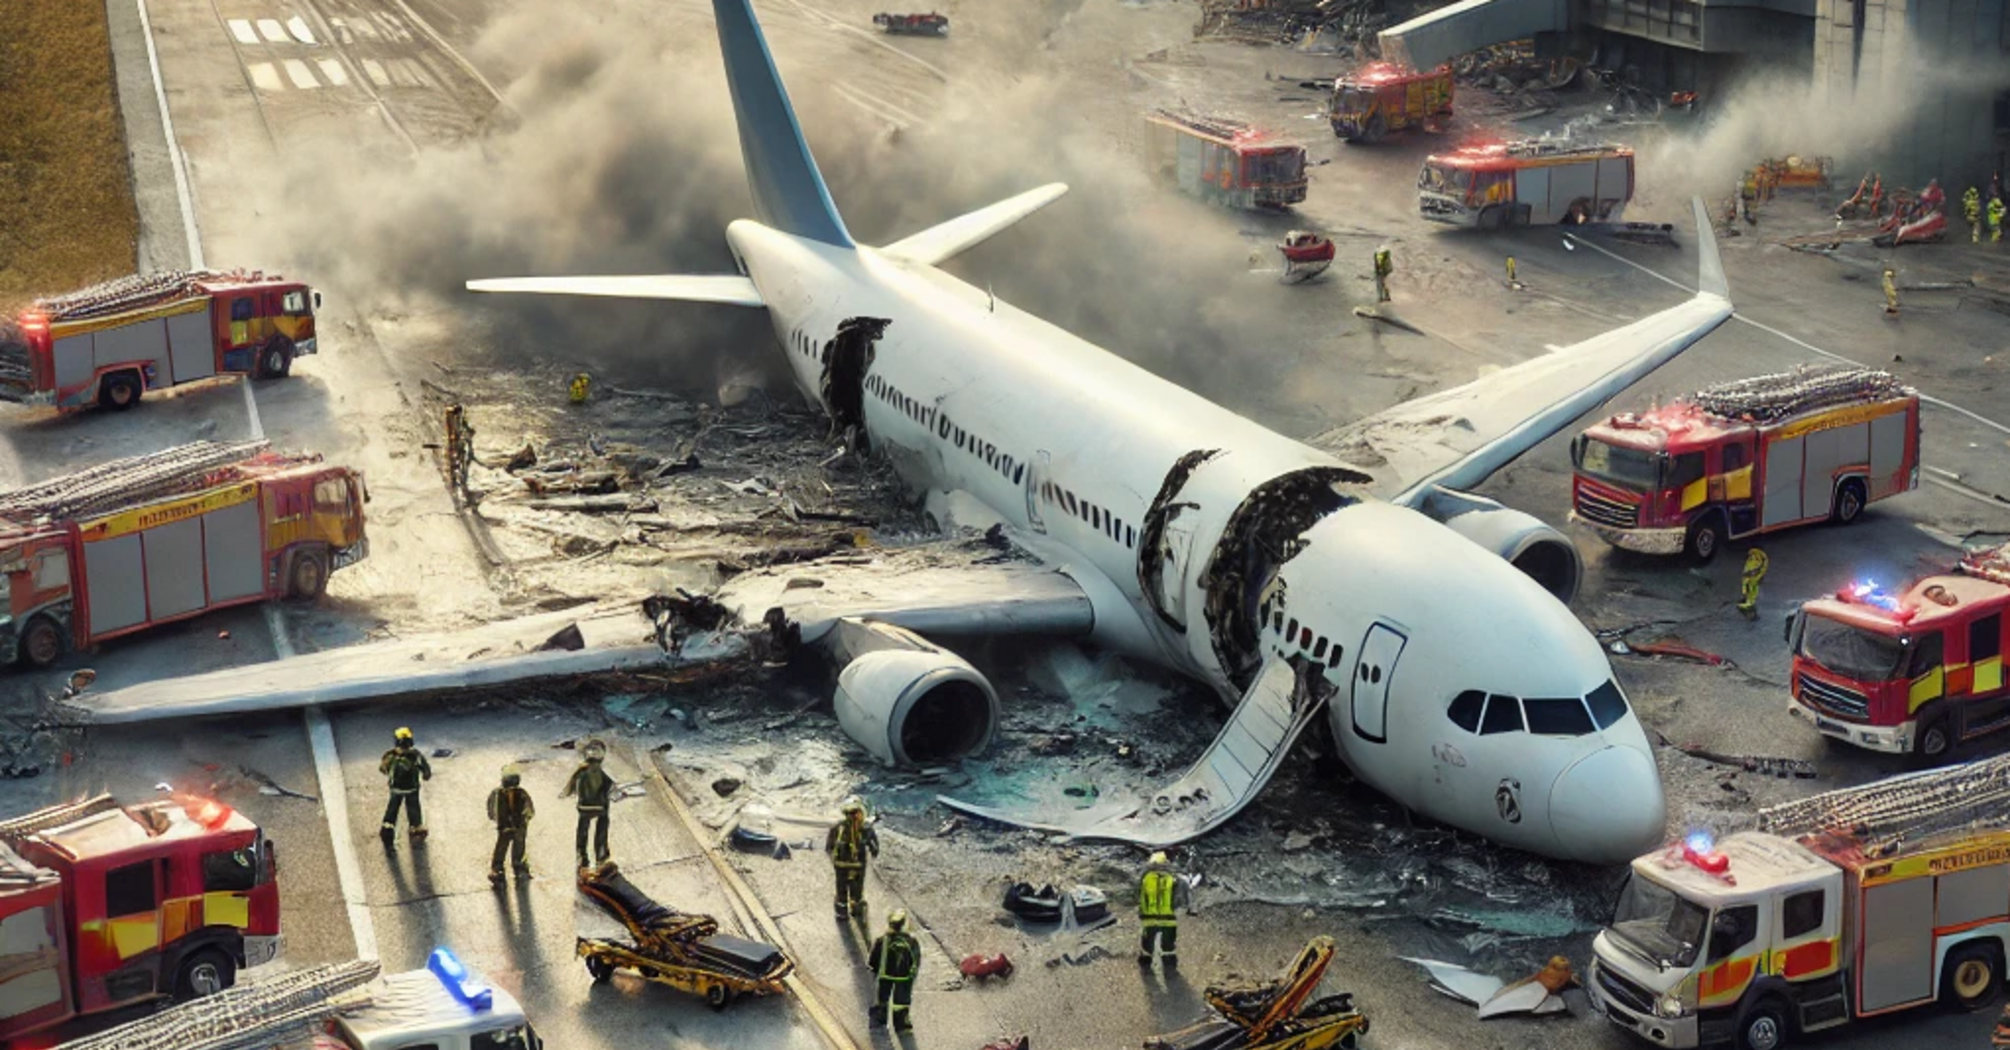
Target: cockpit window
1608, 704
1465, 710
1565, 717
1503, 715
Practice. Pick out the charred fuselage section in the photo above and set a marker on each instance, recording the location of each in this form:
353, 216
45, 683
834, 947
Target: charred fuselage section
1266, 531
846, 358
1155, 547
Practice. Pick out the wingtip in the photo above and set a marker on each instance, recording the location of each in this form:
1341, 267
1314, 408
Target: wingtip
1710, 279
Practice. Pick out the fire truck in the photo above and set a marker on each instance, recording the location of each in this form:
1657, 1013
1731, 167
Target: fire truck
1916, 672
1850, 904
1528, 183
1382, 97
1227, 161
104, 905
1746, 457
108, 344
151, 539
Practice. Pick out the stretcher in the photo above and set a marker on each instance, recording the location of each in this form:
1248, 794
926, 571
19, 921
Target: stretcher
1274, 1015
685, 952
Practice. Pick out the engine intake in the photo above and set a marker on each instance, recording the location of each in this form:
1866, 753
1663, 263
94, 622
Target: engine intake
1524, 540
908, 701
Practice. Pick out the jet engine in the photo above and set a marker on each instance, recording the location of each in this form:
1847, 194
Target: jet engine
1526, 541
908, 701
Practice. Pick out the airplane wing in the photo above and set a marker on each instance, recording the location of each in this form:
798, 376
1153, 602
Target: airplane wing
731, 289
944, 241
1456, 438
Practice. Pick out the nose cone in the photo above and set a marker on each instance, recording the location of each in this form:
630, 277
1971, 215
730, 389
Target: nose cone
1607, 808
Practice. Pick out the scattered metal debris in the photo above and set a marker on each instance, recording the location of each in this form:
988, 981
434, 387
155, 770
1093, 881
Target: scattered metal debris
1539, 994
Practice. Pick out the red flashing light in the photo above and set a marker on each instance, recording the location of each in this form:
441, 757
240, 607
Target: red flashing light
212, 814
34, 322
1706, 859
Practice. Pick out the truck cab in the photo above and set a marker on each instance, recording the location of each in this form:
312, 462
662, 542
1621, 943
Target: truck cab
1640, 479
441, 1007
1738, 942
1382, 97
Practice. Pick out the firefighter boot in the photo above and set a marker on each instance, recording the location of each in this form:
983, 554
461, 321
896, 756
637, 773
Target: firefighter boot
418, 836
496, 879
390, 836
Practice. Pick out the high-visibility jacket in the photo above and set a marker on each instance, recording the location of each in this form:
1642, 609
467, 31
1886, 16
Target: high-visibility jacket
1383, 264
848, 844
1155, 898
896, 956
404, 767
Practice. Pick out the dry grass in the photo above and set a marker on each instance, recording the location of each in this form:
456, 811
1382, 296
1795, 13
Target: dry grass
66, 200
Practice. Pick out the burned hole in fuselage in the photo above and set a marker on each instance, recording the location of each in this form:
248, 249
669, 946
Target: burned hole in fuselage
946, 723
846, 358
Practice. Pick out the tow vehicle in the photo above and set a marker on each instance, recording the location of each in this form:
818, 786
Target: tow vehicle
1850, 904
930, 24
686, 952
1227, 161
109, 343
147, 540
1274, 1014
1917, 671
1526, 183
1382, 97
105, 905
1747, 457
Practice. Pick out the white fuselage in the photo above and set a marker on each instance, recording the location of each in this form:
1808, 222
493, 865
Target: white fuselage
1069, 445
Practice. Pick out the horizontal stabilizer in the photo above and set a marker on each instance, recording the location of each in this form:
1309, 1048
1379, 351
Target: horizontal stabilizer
723, 288
947, 240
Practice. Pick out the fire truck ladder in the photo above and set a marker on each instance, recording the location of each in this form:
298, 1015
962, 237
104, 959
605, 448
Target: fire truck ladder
130, 293
54, 817
1558, 148
246, 1017
1901, 812
128, 482
1217, 127
1769, 398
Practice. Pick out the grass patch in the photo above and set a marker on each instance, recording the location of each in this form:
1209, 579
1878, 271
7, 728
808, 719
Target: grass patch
67, 217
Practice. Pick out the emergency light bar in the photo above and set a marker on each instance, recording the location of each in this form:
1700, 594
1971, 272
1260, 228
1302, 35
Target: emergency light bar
459, 984
1700, 851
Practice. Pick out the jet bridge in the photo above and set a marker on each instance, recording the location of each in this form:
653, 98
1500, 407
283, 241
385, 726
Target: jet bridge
1429, 39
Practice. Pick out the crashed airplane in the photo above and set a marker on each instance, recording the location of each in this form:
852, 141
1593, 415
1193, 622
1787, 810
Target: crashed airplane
1427, 623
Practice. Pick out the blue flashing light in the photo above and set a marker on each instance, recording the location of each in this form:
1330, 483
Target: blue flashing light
1869, 593
1699, 842
469, 992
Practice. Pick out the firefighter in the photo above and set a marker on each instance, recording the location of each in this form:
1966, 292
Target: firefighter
1511, 280
511, 809
850, 842
1159, 891
1755, 571
403, 768
594, 788
1383, 268
1890, 292
895, 959
1996, 221
1971, 209
582, 385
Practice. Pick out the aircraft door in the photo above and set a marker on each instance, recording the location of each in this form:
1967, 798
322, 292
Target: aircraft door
1374, 669
1035, 477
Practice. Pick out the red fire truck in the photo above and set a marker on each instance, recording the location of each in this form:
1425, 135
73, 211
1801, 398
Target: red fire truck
141, 541
1530, 183
1227, 161
1917, 671
109, 343
1746, 457
103, 905
1382, 97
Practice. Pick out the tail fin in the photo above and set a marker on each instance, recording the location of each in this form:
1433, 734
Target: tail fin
789, 192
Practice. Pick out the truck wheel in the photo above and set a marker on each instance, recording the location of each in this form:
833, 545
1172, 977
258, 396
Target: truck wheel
600, 969
276, 359
309, 577
1377, 127
1849, 502
1763, 1028
119, 391
1971, 978
41, 643
719, 996
1704, 538
207, 972
1935, 740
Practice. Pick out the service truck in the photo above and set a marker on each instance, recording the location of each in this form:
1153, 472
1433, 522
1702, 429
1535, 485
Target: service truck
1850, 904
104, 905
1917, 671
1747, 457
107, 344
1528, 183
150, 539
1382, 97
1226, 161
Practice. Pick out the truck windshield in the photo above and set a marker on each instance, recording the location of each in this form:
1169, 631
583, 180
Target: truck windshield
1352, 100
1629, 468
1852, 651
1440, 178
1272, 166
1658, 924
517, 1038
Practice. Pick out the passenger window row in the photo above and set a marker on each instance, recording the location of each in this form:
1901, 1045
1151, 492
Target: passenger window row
1300, 636
1098, 518
1490, 713
1008, 468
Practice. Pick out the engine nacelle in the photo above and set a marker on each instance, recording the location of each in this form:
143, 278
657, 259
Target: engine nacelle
1526, 541
908, 701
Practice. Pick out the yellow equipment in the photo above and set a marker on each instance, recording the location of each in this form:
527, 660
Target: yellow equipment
581, 386
686, 952
1273, 1015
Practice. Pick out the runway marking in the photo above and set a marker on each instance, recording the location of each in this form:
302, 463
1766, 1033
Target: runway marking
266, 76
298, 27
333, 71
302, 77
375, 70
271, 30
241, 29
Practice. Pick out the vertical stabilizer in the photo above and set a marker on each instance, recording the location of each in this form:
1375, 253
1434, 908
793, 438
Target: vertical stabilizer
789, 192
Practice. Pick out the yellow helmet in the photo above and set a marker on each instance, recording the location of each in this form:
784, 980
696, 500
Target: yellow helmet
896, 919
853, 804
403, 735
1159, 857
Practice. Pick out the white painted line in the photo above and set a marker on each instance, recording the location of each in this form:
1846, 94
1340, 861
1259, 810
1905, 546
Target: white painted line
332, 71
241, 29
459, 60
270, 29
335, 802
298, 27
302, 77
180, 163
265, 76
376, 71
